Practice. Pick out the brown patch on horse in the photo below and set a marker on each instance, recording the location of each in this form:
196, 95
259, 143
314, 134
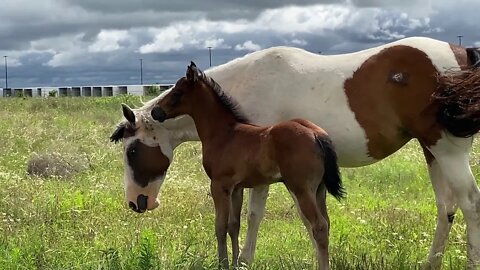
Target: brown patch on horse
397, 111
147, 163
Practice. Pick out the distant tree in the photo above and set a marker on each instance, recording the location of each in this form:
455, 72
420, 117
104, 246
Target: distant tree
19, 94
52, 93
153, 90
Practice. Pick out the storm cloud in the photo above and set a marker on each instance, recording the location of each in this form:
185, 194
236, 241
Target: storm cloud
73, 42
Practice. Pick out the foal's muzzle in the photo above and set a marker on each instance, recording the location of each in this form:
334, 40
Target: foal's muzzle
141, 205
158, 114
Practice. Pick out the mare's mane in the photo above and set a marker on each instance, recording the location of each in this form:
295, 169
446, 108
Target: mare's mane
226, 100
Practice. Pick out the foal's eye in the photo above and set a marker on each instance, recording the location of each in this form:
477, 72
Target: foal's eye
177, 94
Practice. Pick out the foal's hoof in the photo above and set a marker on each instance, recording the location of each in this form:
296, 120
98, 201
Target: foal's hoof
430, 266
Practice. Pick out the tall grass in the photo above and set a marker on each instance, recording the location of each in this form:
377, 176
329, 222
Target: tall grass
387, 220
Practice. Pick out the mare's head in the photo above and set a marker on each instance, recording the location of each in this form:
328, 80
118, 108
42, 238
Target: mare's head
147, 153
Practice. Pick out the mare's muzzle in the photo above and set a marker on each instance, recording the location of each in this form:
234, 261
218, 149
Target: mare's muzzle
158, 114
141, 205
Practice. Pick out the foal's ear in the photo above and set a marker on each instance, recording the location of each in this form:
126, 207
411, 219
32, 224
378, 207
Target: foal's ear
192, 72
128, 113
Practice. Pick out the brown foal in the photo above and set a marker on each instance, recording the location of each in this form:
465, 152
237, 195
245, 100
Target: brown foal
237, 155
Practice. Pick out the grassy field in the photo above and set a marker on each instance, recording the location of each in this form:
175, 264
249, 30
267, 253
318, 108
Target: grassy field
387, 220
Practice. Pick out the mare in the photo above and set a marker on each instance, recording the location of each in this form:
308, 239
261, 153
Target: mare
237, 155
370, 102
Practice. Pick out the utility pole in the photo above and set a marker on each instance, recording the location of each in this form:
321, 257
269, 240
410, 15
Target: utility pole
459, 40
6, 72
210, 54
141, 71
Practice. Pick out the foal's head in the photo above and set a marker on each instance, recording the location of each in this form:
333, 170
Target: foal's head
182, 97
194, 91
147, 154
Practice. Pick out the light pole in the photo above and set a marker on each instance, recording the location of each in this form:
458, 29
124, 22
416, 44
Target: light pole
459, 40
210, 54
6, 72
141, 71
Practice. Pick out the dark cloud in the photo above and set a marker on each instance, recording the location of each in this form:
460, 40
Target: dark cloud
66, 42
388, 3
209, 6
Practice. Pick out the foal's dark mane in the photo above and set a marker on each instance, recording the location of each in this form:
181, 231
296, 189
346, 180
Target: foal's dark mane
226, 100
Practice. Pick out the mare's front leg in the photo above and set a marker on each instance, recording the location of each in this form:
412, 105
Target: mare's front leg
446, 209
221, 199
234, 222
452, 155
256, 211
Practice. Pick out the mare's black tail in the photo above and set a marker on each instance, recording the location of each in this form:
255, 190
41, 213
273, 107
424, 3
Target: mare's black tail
331, 177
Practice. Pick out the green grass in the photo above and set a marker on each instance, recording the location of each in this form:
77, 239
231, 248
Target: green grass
387, 220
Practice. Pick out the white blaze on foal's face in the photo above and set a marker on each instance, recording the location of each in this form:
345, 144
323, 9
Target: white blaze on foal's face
145, 162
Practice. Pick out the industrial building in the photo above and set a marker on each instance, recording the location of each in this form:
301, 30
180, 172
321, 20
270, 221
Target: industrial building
82, 91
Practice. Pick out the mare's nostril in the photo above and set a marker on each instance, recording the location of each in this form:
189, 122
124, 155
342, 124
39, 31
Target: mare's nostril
142, 202
132, 206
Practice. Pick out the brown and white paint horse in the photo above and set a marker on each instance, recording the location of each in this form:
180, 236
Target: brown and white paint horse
370, 102
239, 155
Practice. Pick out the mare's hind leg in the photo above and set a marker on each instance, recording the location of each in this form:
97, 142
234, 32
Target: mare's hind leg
234, 222
446, 209
256, 210
316, 224
452, 155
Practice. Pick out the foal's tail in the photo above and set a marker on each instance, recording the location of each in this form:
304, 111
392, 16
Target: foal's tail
331, 177
458, 94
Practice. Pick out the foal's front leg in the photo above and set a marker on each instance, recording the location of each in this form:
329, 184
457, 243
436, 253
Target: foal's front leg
234, 222
221, 199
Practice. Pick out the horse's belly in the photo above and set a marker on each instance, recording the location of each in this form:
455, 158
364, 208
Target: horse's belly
325, 105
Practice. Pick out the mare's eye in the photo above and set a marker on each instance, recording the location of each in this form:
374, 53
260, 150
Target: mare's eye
131, 151
177, 94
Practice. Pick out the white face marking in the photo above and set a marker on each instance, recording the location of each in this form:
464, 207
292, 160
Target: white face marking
151, 137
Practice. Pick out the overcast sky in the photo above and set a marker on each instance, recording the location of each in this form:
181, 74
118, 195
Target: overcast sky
79, 42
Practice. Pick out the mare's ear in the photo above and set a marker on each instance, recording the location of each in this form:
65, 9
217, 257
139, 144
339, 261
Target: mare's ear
192, 72
128, 113
117, 135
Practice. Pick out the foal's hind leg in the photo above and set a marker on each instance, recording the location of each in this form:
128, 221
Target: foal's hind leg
256, 210
452, 154
234, 222
322, 203
446, 209
317, 224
